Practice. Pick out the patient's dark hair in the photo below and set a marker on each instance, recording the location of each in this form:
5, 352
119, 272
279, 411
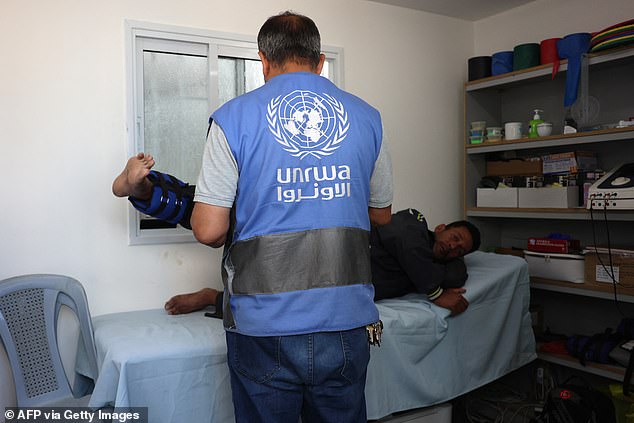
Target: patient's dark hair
290, 37
473, 230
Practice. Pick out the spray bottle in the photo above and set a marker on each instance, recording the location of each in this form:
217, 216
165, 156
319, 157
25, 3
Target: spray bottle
532, 125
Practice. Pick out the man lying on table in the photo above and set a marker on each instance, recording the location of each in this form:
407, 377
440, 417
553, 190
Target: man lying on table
406, 256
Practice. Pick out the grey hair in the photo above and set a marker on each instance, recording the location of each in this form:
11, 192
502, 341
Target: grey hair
290, 37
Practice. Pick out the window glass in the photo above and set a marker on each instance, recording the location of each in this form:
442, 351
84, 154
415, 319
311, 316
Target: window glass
253, 77
177, 78
175, 111
237, 76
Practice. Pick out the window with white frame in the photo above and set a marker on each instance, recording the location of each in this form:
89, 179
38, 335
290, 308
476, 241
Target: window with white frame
176, 78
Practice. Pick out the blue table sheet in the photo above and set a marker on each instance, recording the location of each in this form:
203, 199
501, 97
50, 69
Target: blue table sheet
177, 366
427, 357
174, 365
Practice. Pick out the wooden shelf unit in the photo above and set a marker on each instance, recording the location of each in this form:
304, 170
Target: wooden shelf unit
606, 292
549, 213
596, 136
512, 97
608, 371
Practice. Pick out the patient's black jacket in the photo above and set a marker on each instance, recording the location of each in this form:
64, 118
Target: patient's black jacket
402, 259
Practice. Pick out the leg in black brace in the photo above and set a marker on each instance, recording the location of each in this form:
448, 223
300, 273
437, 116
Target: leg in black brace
172, 200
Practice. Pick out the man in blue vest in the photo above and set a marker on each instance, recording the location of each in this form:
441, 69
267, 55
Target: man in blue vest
406, 256
294, 173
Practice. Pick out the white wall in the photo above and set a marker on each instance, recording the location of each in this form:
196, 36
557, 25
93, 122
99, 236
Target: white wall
544, 19
63, 128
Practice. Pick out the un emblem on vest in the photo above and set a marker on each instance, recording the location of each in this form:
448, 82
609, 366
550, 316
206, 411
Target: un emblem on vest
308, 124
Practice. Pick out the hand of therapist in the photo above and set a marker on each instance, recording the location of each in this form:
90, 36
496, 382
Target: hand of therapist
452, 299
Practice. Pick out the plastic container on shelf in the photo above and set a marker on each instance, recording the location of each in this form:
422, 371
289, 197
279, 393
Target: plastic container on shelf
544, 129
494, 130
480, 124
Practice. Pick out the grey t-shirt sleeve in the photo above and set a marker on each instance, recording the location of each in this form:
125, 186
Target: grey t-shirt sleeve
218, 179
381, 185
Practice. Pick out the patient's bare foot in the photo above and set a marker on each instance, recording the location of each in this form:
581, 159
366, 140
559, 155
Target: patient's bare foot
132, 180
186, 303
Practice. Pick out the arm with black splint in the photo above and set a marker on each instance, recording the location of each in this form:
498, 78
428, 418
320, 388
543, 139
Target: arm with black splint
172, 200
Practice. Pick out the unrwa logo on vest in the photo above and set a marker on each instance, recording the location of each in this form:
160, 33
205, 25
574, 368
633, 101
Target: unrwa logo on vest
308, 124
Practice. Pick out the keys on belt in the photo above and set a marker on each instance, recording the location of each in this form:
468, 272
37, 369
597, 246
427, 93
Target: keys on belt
374, 333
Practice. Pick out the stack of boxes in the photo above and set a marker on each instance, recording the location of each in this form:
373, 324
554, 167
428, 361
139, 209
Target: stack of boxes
553, 245
551, 181
558, 181
555, 258
511, 173
560, 260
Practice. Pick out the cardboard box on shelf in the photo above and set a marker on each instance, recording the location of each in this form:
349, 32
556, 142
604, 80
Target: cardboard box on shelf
570, 162
550, 245
599, 274
500, 197
516, 167
548, 197
559, 267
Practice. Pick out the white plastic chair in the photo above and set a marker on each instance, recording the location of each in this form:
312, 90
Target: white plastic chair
29, 310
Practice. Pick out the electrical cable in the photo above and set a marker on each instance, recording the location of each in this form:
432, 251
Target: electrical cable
525, 407
500, 403
610, 272
607, 233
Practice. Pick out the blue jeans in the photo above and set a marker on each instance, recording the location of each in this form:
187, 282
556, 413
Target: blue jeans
318, 376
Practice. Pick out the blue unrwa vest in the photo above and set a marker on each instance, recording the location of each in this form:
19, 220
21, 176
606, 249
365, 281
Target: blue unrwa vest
299, 259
